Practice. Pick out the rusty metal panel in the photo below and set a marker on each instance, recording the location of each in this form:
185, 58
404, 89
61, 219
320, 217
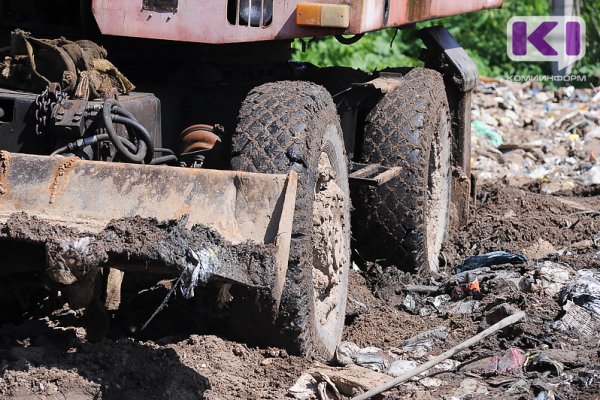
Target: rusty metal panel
82, 198
206, 21
88, 194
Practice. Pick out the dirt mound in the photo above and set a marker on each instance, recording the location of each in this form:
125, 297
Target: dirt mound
511, 219
55, 362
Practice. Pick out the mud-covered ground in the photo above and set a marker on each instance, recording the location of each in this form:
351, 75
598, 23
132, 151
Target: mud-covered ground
44, 353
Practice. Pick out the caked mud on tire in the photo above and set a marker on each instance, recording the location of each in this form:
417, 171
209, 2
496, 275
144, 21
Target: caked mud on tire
287, 126
405, 221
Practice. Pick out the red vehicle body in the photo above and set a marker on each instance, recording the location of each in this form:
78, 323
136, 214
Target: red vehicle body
206, 21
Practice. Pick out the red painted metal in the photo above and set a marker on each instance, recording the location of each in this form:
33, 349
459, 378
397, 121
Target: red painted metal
205, 21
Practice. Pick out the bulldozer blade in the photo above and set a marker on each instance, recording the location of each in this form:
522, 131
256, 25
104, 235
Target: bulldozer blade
200, 225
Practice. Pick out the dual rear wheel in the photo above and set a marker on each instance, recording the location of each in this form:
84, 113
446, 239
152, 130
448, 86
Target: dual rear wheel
289, 125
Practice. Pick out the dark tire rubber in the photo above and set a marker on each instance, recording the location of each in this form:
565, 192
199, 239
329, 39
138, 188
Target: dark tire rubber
285, 126
410, 128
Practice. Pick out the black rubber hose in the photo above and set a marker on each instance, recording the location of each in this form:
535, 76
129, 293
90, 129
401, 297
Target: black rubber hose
84, 142
168, 159
107, 117
142, 134
60, 150
142, 151
163, 150
350, 40
123, 112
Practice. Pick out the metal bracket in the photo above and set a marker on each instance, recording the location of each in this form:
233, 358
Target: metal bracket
70, 114
371, 174
439, 41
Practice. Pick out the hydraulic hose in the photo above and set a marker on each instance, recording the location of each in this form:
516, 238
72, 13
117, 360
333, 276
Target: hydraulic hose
141, 153
123, 113
84, 142
168, 159
142, 135
142, 150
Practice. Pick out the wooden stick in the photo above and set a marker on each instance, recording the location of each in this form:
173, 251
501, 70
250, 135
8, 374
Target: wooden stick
433, 362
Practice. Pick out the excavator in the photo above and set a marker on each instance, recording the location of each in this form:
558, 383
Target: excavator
176, 139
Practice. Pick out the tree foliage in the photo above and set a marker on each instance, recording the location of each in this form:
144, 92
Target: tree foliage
482, 34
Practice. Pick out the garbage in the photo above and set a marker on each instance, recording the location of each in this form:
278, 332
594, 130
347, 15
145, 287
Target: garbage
326, 389
468, 287
439, 301
569, 358
509, 362
372, 358
590, 177
462, 307
487, 132
444, 356
560, 121
584, 291
544, 364
429, 382
552, 277
346, 353
400, 367
410, 304
490, 259
305, 388
418, 349
350, 380
577, 321
506, 281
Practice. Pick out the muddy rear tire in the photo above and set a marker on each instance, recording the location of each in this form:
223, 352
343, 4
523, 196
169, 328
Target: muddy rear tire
287, 126
405, 221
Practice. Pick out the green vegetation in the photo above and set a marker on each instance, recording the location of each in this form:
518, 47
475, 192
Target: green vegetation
482, 34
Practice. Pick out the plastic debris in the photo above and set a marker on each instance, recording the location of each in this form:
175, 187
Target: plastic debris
546, 365
576, 321
305, 388
468, 287
490, 259
346, 353
400, 367
584, 291
372, 358
487, 132
552, 277
547, 133
509, 362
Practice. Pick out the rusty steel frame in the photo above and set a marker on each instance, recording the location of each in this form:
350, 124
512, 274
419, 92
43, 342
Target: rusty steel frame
205, 21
